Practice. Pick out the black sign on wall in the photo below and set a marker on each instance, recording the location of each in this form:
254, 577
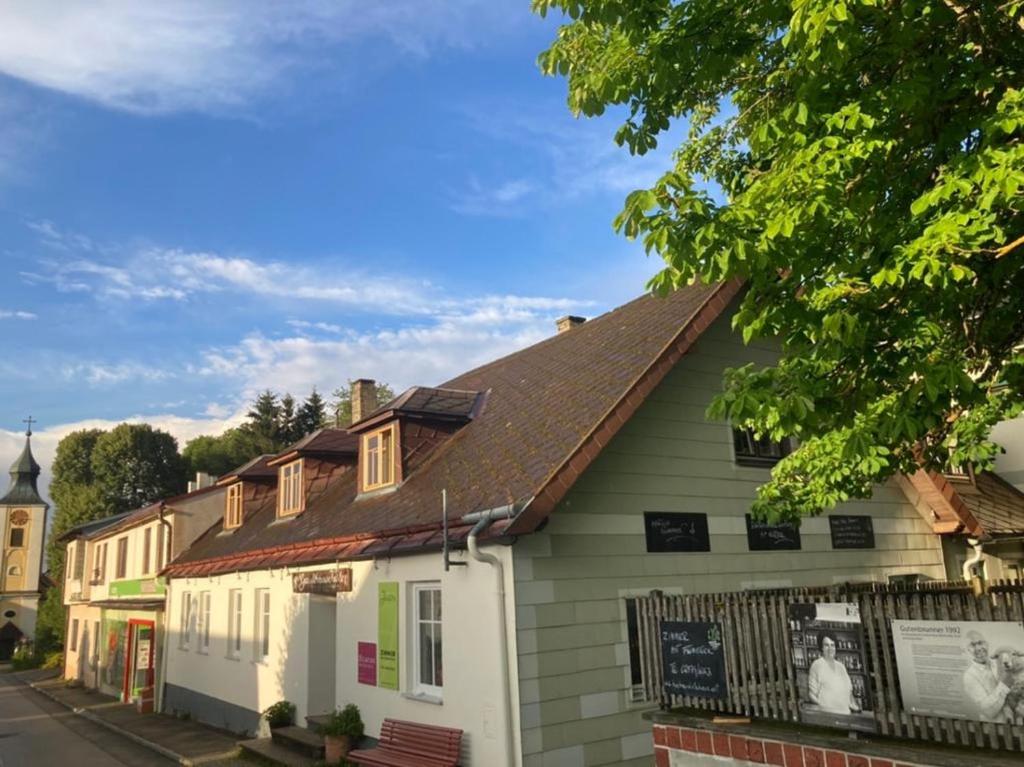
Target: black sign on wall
693, 659
764, 536
670, 531
851, 532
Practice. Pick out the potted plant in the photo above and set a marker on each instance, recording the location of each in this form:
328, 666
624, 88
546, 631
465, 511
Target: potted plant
342, 731
281, 714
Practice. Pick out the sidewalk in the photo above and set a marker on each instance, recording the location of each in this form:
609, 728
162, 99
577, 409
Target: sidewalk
189, 743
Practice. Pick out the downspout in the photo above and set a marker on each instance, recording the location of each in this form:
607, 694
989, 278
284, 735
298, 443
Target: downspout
158, 704
483, 520
969, 564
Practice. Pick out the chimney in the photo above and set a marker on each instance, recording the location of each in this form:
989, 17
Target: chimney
568, 322
202, 480
364, 398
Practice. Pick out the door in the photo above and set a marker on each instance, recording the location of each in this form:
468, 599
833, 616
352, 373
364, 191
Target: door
322, 638
138, 680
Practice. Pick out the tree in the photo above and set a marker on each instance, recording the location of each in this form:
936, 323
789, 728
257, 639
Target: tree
264, 417
286, 426
343, 402
312, 414
859, 165
135, 464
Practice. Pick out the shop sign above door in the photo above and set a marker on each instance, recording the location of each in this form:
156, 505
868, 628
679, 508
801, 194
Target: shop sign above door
329, 582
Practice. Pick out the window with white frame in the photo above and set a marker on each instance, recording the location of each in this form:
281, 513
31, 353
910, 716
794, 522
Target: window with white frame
233, 510
185, 629
638, 692
74, 635
100, 571
122, 557
79, 568
203, 621
147, 542
261, 633
289, 489
428, 672
234, 623
755, 451
161, 549
378, 458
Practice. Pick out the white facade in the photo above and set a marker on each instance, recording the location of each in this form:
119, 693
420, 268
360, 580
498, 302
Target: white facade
471, 694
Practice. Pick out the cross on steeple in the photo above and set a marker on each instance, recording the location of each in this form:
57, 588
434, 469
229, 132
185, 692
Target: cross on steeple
30, 420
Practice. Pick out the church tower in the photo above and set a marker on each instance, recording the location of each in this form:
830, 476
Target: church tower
23, 525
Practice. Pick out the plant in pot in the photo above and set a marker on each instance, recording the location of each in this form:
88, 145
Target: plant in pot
281, 714
343, 730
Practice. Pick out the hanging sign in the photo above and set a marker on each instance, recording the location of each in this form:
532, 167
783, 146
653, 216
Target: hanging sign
367, 659
327, 582
851, 531
671, 531
387, 635
693, 659
765, 536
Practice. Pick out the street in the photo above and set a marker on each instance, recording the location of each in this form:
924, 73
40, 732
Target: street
37, 732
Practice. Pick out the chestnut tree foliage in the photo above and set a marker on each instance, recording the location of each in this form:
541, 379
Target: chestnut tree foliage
859, 164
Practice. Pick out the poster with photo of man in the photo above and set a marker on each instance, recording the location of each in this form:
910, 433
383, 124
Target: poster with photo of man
831, 669
962, 669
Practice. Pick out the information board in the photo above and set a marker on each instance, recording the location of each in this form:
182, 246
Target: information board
766, 536
851, 532
676, 532
693, 659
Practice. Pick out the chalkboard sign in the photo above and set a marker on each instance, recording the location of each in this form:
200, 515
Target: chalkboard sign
763, 536
852, 532
676, 532
693, 659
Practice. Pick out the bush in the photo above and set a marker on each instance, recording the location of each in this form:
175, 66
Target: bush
53, 659
281, 714
345, 722
25, 657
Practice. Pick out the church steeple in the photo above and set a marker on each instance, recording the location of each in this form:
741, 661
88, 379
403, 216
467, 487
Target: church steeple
24, 475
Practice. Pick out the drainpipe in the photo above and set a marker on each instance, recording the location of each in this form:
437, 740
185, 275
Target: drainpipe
971, 561
158, 704
483, 520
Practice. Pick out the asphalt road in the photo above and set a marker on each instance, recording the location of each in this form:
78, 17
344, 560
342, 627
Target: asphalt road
37, 732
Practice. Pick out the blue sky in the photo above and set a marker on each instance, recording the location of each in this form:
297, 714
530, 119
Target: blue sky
200, 200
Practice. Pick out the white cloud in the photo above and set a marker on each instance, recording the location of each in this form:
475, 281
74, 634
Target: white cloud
102, 374
17, 314
152, 57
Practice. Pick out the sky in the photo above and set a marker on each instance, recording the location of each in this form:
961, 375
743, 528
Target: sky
203, 199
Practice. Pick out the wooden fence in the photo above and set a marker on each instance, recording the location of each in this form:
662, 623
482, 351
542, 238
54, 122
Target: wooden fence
761, 676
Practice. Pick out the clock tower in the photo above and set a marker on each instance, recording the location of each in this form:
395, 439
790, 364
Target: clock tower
23, 526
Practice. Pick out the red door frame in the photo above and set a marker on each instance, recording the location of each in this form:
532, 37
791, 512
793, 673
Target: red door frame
129, 657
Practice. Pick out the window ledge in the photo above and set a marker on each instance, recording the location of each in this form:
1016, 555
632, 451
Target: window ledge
756, 463
378, 491
286, 518
423, 697
226, 531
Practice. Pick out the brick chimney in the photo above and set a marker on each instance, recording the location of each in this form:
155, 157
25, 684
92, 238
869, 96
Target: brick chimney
568, 322
364, 398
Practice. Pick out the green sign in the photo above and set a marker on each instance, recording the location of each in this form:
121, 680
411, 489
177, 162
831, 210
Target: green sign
138, 588
387, 635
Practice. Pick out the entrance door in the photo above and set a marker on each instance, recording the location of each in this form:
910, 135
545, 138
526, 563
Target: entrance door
138, 678
9, 637
322, 637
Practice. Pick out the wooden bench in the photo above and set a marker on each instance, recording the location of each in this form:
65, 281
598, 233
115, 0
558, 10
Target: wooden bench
410, 744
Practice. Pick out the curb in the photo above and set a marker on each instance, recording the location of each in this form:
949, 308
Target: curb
162, 750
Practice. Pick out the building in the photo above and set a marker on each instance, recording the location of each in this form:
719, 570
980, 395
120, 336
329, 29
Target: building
23, 512
565, 478
115, 596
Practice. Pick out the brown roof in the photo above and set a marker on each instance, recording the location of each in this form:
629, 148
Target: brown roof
257, 467
147, 513
995, 503
426, 401
549, 410
324, 441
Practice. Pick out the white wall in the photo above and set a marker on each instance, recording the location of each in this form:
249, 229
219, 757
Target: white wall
81, 663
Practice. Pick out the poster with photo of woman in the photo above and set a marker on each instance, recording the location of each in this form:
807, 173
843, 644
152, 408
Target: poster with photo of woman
828, 654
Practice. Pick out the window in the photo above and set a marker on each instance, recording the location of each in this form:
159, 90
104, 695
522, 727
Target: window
122, 557
378, 456
17, 539
160, 547
234, 623
185, 630
428, 675
765, 451
100, 571
203, 621
95, 642
289, 492
147, 540
261, 645
74, 635
636, 676
233, 513
78, 568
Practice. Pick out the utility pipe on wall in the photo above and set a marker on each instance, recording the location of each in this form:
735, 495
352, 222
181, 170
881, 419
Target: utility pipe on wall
164, 557
483, 520
974, 559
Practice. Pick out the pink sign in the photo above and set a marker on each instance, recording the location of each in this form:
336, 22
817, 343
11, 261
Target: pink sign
368, 663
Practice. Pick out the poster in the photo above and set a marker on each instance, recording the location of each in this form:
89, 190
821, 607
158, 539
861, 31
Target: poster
693, 659
387, 635
367, 659
827, 642
961, 669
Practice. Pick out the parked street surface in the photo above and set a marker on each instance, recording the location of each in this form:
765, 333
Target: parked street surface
38, 732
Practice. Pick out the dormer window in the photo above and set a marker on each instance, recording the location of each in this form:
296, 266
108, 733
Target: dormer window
289, 489
378, 458
233, 510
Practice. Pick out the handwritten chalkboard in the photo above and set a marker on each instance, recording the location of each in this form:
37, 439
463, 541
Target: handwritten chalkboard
676, 532
763, 536
693, 659
851, 532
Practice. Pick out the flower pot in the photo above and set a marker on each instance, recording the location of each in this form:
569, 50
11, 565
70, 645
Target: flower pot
336, 748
